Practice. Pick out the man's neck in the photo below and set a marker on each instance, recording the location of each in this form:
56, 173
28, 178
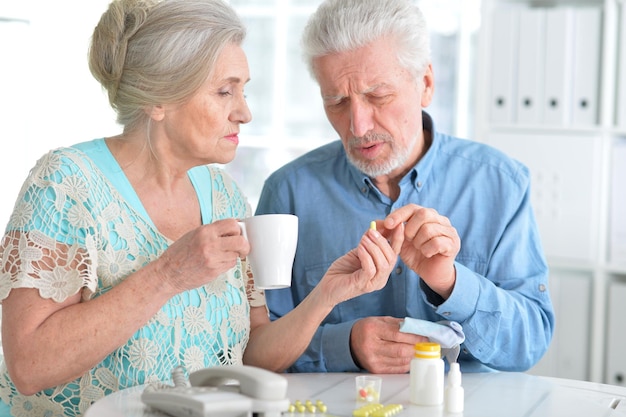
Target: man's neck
389, 184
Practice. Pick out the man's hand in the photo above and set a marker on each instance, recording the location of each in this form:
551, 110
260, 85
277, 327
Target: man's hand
379, 347
430, 245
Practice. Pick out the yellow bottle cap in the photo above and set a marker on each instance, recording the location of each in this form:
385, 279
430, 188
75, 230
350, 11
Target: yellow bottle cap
427, 350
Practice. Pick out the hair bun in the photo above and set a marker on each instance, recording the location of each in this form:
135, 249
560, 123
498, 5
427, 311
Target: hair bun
109, 42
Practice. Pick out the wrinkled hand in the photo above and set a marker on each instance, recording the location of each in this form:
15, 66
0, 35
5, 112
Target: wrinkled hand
202, 255
364, 269
430, 245
378, 346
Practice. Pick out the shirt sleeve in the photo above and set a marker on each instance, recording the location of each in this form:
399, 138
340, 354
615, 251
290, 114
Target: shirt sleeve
507, 315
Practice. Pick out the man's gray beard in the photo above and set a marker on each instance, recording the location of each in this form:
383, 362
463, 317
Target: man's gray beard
370, 168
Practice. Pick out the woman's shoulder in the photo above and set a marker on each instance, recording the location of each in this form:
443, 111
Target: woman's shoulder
67, 169
65, 159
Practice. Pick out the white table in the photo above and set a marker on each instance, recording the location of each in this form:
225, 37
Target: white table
498, 394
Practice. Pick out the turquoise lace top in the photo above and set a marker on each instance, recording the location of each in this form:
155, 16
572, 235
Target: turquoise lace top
78, 207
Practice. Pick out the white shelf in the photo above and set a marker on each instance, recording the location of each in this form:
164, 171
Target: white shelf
578, 243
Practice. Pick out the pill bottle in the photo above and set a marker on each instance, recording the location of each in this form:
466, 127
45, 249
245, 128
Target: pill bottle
427, 375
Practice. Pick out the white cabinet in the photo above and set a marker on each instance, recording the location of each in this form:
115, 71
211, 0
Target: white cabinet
616, 335
617, 222
551, 92
565, 185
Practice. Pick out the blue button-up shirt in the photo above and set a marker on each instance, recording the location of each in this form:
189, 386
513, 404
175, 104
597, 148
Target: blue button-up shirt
501, 293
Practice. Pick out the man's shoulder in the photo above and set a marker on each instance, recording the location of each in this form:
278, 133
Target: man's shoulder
479, 154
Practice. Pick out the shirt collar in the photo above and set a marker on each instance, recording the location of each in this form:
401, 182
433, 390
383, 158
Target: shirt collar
417, 176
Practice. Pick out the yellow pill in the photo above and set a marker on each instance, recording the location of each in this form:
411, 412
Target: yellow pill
366, 410
373, 225
387, 411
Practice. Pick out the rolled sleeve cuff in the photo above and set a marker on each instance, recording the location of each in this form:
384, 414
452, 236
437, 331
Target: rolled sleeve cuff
462, 303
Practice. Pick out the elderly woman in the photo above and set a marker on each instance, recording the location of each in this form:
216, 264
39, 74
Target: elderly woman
123, 257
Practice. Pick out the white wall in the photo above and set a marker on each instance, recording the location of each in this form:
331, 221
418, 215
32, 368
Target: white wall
47, 95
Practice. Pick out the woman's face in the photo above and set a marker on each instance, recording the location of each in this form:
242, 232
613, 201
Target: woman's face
205, 129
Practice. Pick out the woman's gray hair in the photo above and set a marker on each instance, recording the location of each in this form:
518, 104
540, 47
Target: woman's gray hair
345, 25
151, 52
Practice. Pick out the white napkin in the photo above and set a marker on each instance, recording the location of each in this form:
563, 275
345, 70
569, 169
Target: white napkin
449, 334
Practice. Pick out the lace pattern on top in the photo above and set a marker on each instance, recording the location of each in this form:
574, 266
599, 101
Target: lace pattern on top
71, 231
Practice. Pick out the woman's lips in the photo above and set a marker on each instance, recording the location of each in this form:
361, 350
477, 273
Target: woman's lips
233, 138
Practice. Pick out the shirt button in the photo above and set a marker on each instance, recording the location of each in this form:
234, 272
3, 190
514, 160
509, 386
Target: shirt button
398, 270
542, 287
364, 190
446, 313
419, 184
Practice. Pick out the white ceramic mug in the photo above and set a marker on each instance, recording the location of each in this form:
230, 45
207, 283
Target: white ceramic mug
273, 239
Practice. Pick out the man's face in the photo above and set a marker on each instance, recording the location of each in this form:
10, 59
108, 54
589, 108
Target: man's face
375, 106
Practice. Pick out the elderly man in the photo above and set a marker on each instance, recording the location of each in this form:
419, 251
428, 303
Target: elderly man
471, 251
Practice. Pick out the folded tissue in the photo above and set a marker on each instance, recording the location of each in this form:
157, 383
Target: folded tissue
449, 334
